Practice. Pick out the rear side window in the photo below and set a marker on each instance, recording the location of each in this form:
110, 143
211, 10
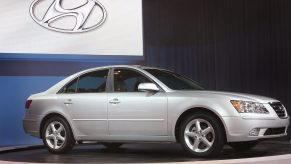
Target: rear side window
71, 87
92, 82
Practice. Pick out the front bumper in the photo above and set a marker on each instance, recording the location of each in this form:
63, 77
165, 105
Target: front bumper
238, 128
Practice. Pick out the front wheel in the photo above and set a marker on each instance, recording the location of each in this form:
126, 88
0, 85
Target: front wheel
57, 136
202, 135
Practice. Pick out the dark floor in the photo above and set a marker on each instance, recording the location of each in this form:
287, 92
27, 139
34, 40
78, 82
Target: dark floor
138, 153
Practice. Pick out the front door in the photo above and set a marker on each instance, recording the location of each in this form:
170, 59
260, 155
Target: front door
134, 113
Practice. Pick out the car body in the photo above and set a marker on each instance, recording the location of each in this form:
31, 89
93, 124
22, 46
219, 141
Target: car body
150, 106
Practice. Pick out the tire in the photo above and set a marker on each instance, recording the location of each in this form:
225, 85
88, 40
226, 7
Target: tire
211, 130
79, 142
111, 145
243, 146
60, 139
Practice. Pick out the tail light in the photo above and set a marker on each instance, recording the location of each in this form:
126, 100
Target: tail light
27, 104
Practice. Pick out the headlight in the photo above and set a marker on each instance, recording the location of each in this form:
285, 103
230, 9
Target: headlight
248, 107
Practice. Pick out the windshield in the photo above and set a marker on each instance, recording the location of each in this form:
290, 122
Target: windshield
174, 81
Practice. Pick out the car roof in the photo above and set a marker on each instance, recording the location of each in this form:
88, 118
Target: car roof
124, 66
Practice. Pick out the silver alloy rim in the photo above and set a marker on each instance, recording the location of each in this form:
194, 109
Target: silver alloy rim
199, 135
55, 135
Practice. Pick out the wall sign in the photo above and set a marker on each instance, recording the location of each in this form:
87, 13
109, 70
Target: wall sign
71, 27
81, 13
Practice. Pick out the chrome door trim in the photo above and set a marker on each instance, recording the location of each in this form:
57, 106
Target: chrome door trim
119, 119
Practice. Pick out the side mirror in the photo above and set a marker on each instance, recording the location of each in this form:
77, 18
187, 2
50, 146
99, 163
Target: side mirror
148, 87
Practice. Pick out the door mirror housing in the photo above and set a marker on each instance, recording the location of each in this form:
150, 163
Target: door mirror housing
148, 87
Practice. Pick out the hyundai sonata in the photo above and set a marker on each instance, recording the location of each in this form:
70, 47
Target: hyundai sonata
122, 104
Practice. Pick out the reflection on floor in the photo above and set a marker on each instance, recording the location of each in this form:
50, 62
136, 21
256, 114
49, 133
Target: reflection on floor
139, 153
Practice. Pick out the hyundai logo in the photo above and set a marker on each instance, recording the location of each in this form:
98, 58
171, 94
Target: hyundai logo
55, 12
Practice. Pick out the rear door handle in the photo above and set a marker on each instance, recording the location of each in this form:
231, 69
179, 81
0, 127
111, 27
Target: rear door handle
114, 101
68, 102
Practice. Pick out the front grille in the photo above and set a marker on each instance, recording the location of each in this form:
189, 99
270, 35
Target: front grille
279, 109
274, 131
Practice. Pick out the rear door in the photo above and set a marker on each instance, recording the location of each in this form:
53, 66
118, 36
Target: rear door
85, 99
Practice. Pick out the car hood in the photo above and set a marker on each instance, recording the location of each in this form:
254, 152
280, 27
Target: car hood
231, 96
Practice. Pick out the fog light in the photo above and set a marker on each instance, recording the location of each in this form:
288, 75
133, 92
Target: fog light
255, 132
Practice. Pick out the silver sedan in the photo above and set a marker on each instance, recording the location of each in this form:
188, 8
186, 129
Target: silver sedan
122, 104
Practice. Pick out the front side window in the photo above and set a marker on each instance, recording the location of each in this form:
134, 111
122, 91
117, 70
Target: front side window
126, 80
92, 82
174, 81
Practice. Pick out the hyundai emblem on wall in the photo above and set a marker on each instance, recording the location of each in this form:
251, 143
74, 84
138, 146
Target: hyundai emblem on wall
55, 12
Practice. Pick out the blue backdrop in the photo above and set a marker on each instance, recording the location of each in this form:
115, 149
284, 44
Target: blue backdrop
14, 92
24, 74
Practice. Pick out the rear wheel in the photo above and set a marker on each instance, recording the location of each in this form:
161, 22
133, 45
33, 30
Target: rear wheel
57, 136
202, 135
111, 145
243, 146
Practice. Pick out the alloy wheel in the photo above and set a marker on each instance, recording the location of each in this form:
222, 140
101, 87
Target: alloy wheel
199, 135
55, 135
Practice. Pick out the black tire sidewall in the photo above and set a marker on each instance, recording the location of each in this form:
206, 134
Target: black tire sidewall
69, 141
112, 145
243, 146
219, 140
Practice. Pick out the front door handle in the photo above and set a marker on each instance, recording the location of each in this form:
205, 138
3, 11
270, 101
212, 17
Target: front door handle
114, 101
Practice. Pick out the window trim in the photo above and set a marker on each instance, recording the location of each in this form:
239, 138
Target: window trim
135, 70
78, 77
